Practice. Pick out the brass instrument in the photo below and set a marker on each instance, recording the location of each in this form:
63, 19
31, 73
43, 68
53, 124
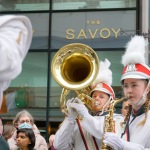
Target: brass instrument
74, 67
109, 122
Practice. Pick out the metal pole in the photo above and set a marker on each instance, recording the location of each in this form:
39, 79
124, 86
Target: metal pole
145, 24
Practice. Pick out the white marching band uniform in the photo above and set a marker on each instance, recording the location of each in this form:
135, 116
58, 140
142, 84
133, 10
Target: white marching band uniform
138, 125
139, 135
69, 135
135, 134
15, 40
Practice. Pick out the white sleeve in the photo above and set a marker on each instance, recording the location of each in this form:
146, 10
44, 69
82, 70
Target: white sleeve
94, 125
63, 136
15, 40
134, 146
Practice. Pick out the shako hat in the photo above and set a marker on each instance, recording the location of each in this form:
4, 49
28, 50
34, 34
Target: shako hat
103, 80
134, 59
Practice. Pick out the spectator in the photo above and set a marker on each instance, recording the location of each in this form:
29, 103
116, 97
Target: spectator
125, 107
51, 140
1, 126
25, 137
3, 144
9, 130
22, 117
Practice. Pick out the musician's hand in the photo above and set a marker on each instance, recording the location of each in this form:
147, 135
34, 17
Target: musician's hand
79, 107
112, 140
72, 114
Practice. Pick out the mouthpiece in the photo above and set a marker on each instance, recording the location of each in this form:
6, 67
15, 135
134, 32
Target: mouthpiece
96, 103
127, 97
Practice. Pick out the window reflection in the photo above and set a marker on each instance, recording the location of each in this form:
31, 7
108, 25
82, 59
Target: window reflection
29, 89
31, 5
91, 4
24, 5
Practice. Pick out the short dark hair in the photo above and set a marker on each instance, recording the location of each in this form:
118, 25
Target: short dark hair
30, 134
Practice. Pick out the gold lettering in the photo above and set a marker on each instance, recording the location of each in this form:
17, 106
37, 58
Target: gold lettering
82, 34
103, 33
98, 22
93, 22
115, 32
92, 35
70, 34
105, 30
87, 22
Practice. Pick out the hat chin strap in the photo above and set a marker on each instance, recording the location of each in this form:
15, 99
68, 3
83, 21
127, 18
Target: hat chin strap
105, 105
143, 98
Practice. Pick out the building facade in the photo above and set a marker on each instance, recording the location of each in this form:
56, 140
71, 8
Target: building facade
104, 25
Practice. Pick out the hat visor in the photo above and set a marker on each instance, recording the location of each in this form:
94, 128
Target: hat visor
135, 76
100, 89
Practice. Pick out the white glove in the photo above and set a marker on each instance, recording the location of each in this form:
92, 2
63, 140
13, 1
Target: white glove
112, 140
79, 107
72, 114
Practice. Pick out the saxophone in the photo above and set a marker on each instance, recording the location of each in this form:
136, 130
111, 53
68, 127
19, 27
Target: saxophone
109, 122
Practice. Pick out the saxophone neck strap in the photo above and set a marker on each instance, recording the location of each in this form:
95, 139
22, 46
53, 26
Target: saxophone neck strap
139, 112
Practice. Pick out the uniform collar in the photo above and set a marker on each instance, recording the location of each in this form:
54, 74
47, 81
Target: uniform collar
99, 113
139, 112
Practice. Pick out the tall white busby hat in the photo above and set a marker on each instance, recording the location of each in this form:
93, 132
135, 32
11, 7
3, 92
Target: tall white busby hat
134, 60
103, 80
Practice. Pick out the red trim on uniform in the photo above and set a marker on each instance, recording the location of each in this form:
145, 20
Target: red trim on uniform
84, 140
82, 135
127, 134
139, 68
96, 146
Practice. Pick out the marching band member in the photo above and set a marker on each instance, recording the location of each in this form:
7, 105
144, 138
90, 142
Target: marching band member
125, 107
85, 134
15, 40
136, 86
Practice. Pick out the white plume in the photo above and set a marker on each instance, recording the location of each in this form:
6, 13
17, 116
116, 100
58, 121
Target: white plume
104, 75
135, 51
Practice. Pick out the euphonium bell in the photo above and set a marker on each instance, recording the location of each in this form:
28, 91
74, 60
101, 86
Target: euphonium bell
74, 67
